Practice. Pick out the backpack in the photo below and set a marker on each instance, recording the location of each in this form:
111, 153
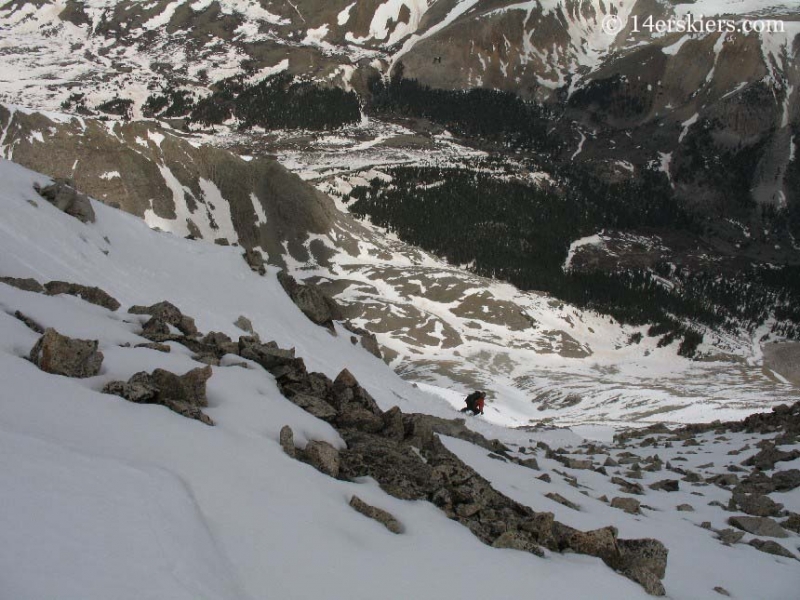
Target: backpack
472, 399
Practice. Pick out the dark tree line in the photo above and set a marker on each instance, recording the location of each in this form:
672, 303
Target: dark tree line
520, 233
279, 102
477, 113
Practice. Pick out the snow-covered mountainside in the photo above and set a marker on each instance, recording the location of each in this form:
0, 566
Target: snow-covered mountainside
437, 323
105, 498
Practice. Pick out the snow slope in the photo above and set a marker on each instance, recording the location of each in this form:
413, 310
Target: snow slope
107, 499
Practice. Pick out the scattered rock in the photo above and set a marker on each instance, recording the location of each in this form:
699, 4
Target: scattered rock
545, 477
244, 324
61, 355
255, 261
792, 523
26, 285
379, 515
771, 547
168, 313
785, 481
184, 394
762, 526
155, 346
518, 540
666, 485
766, 458
561, 500
63, 195
730, 536
28, 322
757, 505
323, 457
93, 295
722, 591
630, 505
311, 300
628, 487
685, 508
286, 439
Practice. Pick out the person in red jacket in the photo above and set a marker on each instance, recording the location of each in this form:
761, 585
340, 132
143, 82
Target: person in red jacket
475, 402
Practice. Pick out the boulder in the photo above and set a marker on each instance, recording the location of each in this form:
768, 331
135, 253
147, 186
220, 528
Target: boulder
666, 485
377, 514
323, 457
93, 295
730, 536
286, 439
244, 324
61, 355
63, 195
183, 394
255, 261
766, 458
762, 526
315, 406
169, 314
771, 547
311, 300
685, 508
785, 481
561, 500
630, 505
757, 505
628, 487
26, 285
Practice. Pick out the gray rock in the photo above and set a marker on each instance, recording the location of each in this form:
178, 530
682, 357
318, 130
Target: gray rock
28, 322
168, 313
323, 457
628, 487
377, 514
771, 547
244, 324
722, 591
730, 536
26, 285
255, 261
561, 500
575, 463
311, 300
155, 346
518, 540
685, 508
757, 505
785, 481
286, 439
792, 523
629, 505
61, 355
63, 195
762, 526
666, 485
183, 394
315, 406
93, 295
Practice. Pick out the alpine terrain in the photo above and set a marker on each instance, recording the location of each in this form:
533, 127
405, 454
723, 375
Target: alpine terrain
254, 255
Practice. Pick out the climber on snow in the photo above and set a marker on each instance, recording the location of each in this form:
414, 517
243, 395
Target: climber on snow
475, 403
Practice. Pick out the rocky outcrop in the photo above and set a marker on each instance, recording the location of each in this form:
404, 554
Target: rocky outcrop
377, 514
311, 300
63, 195
61, 355
93, 295
184, 394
